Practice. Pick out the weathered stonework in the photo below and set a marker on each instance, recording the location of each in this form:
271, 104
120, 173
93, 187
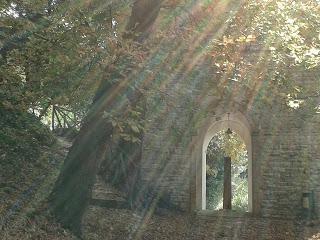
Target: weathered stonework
285, 142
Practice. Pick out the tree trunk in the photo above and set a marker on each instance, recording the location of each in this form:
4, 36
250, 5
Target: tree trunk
144, 13
73, 188
227, 195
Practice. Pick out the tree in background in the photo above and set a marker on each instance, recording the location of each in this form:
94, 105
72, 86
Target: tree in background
114, 102
220, 146
55, 53
87, 57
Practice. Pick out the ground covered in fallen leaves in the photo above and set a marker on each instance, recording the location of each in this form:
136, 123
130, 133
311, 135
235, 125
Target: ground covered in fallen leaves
101, 223
23, 214
24, 191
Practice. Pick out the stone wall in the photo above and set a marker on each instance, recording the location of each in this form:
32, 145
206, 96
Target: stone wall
285, 142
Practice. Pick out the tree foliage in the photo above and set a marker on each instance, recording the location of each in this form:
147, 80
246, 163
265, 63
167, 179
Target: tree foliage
90, 57
56, 54
287, 36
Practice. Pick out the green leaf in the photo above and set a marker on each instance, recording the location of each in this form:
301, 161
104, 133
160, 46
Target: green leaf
135, 129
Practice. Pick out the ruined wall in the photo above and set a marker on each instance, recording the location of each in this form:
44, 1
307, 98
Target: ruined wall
286, 148
285, 142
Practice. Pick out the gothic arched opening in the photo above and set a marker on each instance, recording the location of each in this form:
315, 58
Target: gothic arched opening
238, 124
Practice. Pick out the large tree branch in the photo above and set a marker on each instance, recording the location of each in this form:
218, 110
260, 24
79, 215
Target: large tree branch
144, 13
